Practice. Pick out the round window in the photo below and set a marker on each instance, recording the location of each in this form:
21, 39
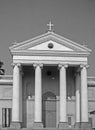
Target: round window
50, 45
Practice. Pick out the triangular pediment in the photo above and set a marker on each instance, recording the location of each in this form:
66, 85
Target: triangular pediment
50, 45
49, 42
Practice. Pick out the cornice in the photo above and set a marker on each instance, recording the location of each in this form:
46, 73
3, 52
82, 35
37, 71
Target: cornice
4, 81
50, 53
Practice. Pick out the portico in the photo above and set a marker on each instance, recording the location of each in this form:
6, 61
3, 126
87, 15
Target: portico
60, 63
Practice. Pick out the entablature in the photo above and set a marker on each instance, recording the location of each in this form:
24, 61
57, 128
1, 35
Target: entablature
49, 60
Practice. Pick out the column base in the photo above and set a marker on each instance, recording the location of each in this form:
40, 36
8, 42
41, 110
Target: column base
15, 125
63, 125
85, 125
37, 125
77, 125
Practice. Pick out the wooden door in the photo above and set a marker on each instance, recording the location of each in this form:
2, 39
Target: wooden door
49, 110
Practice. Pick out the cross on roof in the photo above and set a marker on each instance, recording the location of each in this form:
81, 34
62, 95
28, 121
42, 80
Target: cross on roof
50, 25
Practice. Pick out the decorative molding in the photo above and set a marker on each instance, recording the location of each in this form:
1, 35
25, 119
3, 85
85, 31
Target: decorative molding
60, 65
84, 66
16, 64
49, 53
49, 35
19, 65
30, 62
44, 58
35, 65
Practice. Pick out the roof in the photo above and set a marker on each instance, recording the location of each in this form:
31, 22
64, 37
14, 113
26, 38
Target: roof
40, 45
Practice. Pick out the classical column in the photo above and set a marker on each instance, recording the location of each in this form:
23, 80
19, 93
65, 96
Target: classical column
84, 97
38, 96
63, 120
20, 92
77, 84
17, 96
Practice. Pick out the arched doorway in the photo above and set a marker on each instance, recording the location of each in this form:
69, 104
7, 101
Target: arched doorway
49, 109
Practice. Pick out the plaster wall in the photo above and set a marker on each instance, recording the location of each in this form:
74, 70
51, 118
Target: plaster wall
4, 103
50, 83
5, 98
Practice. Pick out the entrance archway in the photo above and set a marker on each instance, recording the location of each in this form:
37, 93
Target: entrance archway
49, 109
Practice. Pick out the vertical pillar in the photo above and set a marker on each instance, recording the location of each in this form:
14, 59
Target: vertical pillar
77, 84
38, 96
17, 102
20, 100
84, 97
63, 120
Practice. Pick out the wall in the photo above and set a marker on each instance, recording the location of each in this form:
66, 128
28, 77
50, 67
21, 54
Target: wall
91, 103
5, 94
50, 83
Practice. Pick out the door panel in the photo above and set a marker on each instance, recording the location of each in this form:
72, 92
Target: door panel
49, 112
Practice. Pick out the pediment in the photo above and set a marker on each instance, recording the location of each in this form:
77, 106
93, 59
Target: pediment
49, 42
50, 46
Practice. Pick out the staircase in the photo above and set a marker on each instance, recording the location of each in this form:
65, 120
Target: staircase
46, 129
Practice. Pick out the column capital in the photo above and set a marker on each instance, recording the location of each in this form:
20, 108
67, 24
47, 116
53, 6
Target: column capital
38, 64
62, 65
18, 65
84, 66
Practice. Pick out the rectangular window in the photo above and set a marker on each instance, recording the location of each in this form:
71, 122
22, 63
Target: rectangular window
69, 120
6, 117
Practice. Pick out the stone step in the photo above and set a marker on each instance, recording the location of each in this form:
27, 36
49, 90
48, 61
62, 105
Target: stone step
46, 129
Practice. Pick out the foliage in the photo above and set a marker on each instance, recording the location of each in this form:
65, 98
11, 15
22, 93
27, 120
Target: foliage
2, 71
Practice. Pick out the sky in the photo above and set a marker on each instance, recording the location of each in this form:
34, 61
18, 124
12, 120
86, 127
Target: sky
21, 20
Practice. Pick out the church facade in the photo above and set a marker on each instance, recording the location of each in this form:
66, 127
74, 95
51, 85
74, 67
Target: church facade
49, 87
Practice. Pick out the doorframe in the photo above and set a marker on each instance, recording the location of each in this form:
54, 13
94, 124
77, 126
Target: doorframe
44, 98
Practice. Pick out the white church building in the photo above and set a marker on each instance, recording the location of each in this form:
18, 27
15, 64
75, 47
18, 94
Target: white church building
49, 87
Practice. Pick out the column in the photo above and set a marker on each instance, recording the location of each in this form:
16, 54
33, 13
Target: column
17, 96
20, 92
63, 120
38, 96
77, 84
84, 97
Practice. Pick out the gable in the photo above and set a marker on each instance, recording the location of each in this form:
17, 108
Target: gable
45, 42
50, 45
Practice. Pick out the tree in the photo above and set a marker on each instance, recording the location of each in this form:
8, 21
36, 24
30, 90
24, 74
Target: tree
2, 71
